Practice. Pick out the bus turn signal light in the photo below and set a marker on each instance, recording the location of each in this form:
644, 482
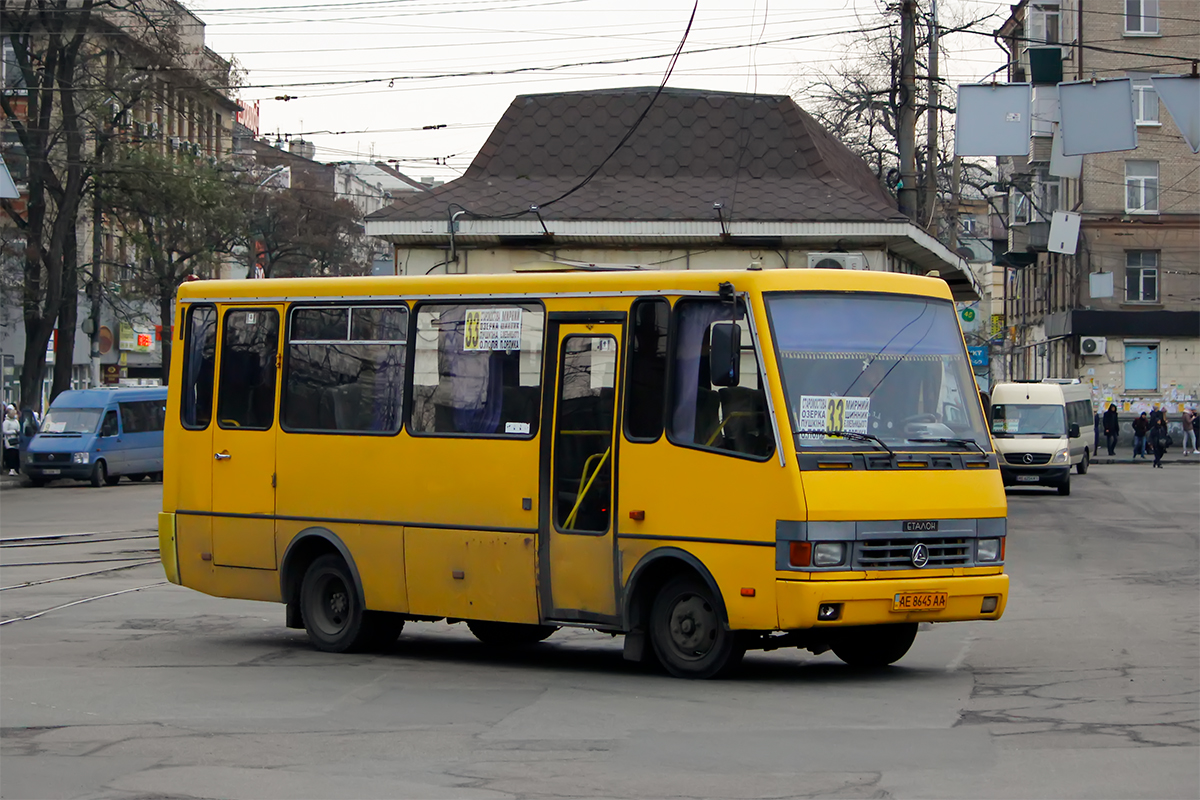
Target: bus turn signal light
637, 515
747, 591
800, 554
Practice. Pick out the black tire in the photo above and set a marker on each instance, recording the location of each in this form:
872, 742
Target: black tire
99, 474
688, 634
874, 646
1065, 488
112, 480
156, 477
1082, 466
509, 634
334, 617
37, 483
138, 477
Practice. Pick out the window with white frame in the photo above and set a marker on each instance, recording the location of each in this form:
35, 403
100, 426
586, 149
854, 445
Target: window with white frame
1141, 17
1045, 23
1018, 207
1145, 102
1141, 276
1050, 196
967, 225
1141, 186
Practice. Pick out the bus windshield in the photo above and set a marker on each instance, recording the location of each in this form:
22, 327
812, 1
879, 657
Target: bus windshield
1028, 419
71, 420
889, 369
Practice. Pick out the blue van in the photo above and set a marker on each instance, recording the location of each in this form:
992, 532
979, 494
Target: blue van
98, 435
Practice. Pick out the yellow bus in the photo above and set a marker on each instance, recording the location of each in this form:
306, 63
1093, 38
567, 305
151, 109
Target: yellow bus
703, 462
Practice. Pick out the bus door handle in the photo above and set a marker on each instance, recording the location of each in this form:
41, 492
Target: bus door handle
222, 456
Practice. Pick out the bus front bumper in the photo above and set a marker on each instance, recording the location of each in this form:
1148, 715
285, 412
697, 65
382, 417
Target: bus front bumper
872, 602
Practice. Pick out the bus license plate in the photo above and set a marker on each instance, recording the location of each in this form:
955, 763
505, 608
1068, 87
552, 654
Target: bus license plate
1029, 478
919, 601
51, 471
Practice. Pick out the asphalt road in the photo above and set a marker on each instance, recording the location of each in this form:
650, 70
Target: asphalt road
1086, 688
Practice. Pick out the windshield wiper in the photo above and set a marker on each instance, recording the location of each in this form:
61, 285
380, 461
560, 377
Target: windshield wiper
858, 437
943, 440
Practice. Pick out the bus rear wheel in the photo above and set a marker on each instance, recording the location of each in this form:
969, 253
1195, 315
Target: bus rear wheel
874, 645
334, 617
509, 634
688, 634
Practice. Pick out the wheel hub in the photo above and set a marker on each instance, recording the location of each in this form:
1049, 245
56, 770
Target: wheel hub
693, 627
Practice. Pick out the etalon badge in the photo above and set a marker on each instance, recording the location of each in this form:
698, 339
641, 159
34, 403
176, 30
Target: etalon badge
920, 555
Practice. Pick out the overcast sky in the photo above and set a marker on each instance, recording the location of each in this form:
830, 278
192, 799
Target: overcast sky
368, 75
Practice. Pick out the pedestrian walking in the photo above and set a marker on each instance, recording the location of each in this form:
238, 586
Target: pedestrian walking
1195, 429
1189, 430
12, 440
1141, 426
1159, 437
1112, 428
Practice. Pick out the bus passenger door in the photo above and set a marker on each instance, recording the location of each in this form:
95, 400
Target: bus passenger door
578, 579
243, 451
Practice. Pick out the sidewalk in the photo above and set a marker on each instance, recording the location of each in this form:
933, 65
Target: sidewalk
1167, 459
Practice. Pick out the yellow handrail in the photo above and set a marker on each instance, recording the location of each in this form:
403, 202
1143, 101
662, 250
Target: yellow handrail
583, 491
725, 422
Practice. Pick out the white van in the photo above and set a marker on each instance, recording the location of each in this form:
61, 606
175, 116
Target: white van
1041, 429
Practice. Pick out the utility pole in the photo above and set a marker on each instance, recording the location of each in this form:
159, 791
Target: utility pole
931, 132
907, 190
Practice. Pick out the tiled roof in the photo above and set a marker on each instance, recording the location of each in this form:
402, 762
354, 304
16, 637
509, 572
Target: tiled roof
761, 156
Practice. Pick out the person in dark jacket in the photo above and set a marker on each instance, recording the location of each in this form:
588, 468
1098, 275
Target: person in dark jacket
1141, 426
1158, 440
1112, 428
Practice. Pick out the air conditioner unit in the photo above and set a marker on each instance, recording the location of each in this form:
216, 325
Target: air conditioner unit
174, 142
154, 129
837, 261
1093, 345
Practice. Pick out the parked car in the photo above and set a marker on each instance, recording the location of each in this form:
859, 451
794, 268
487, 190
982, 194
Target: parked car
98, 435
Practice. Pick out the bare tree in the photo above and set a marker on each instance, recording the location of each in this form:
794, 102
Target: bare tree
860, 100
182, 216
305, 232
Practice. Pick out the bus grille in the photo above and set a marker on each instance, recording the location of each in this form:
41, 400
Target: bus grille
897, 553
1034, 458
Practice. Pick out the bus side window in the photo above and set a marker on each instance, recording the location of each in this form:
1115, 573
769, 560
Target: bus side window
199, 359
345, 369
477, 369
646, 379
246, 392
730, 418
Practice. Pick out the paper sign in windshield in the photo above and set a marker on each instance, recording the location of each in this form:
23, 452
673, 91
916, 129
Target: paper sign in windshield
492, 329
827, 413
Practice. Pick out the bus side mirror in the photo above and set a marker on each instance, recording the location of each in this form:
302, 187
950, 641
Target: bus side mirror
1074, 430
725, 354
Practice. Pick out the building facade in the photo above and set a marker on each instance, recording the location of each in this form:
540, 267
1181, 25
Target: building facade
160, 88
1123, 312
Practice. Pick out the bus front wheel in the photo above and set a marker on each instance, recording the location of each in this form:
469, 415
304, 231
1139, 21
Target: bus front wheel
688, 634
509, 634
333, 615
875, 645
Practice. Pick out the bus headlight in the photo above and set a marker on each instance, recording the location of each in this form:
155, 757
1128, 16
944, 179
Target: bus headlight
828, 554
989, 550
80, 458
1061, 457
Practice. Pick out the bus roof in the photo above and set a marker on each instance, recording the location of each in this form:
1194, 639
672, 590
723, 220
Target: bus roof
547, 283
